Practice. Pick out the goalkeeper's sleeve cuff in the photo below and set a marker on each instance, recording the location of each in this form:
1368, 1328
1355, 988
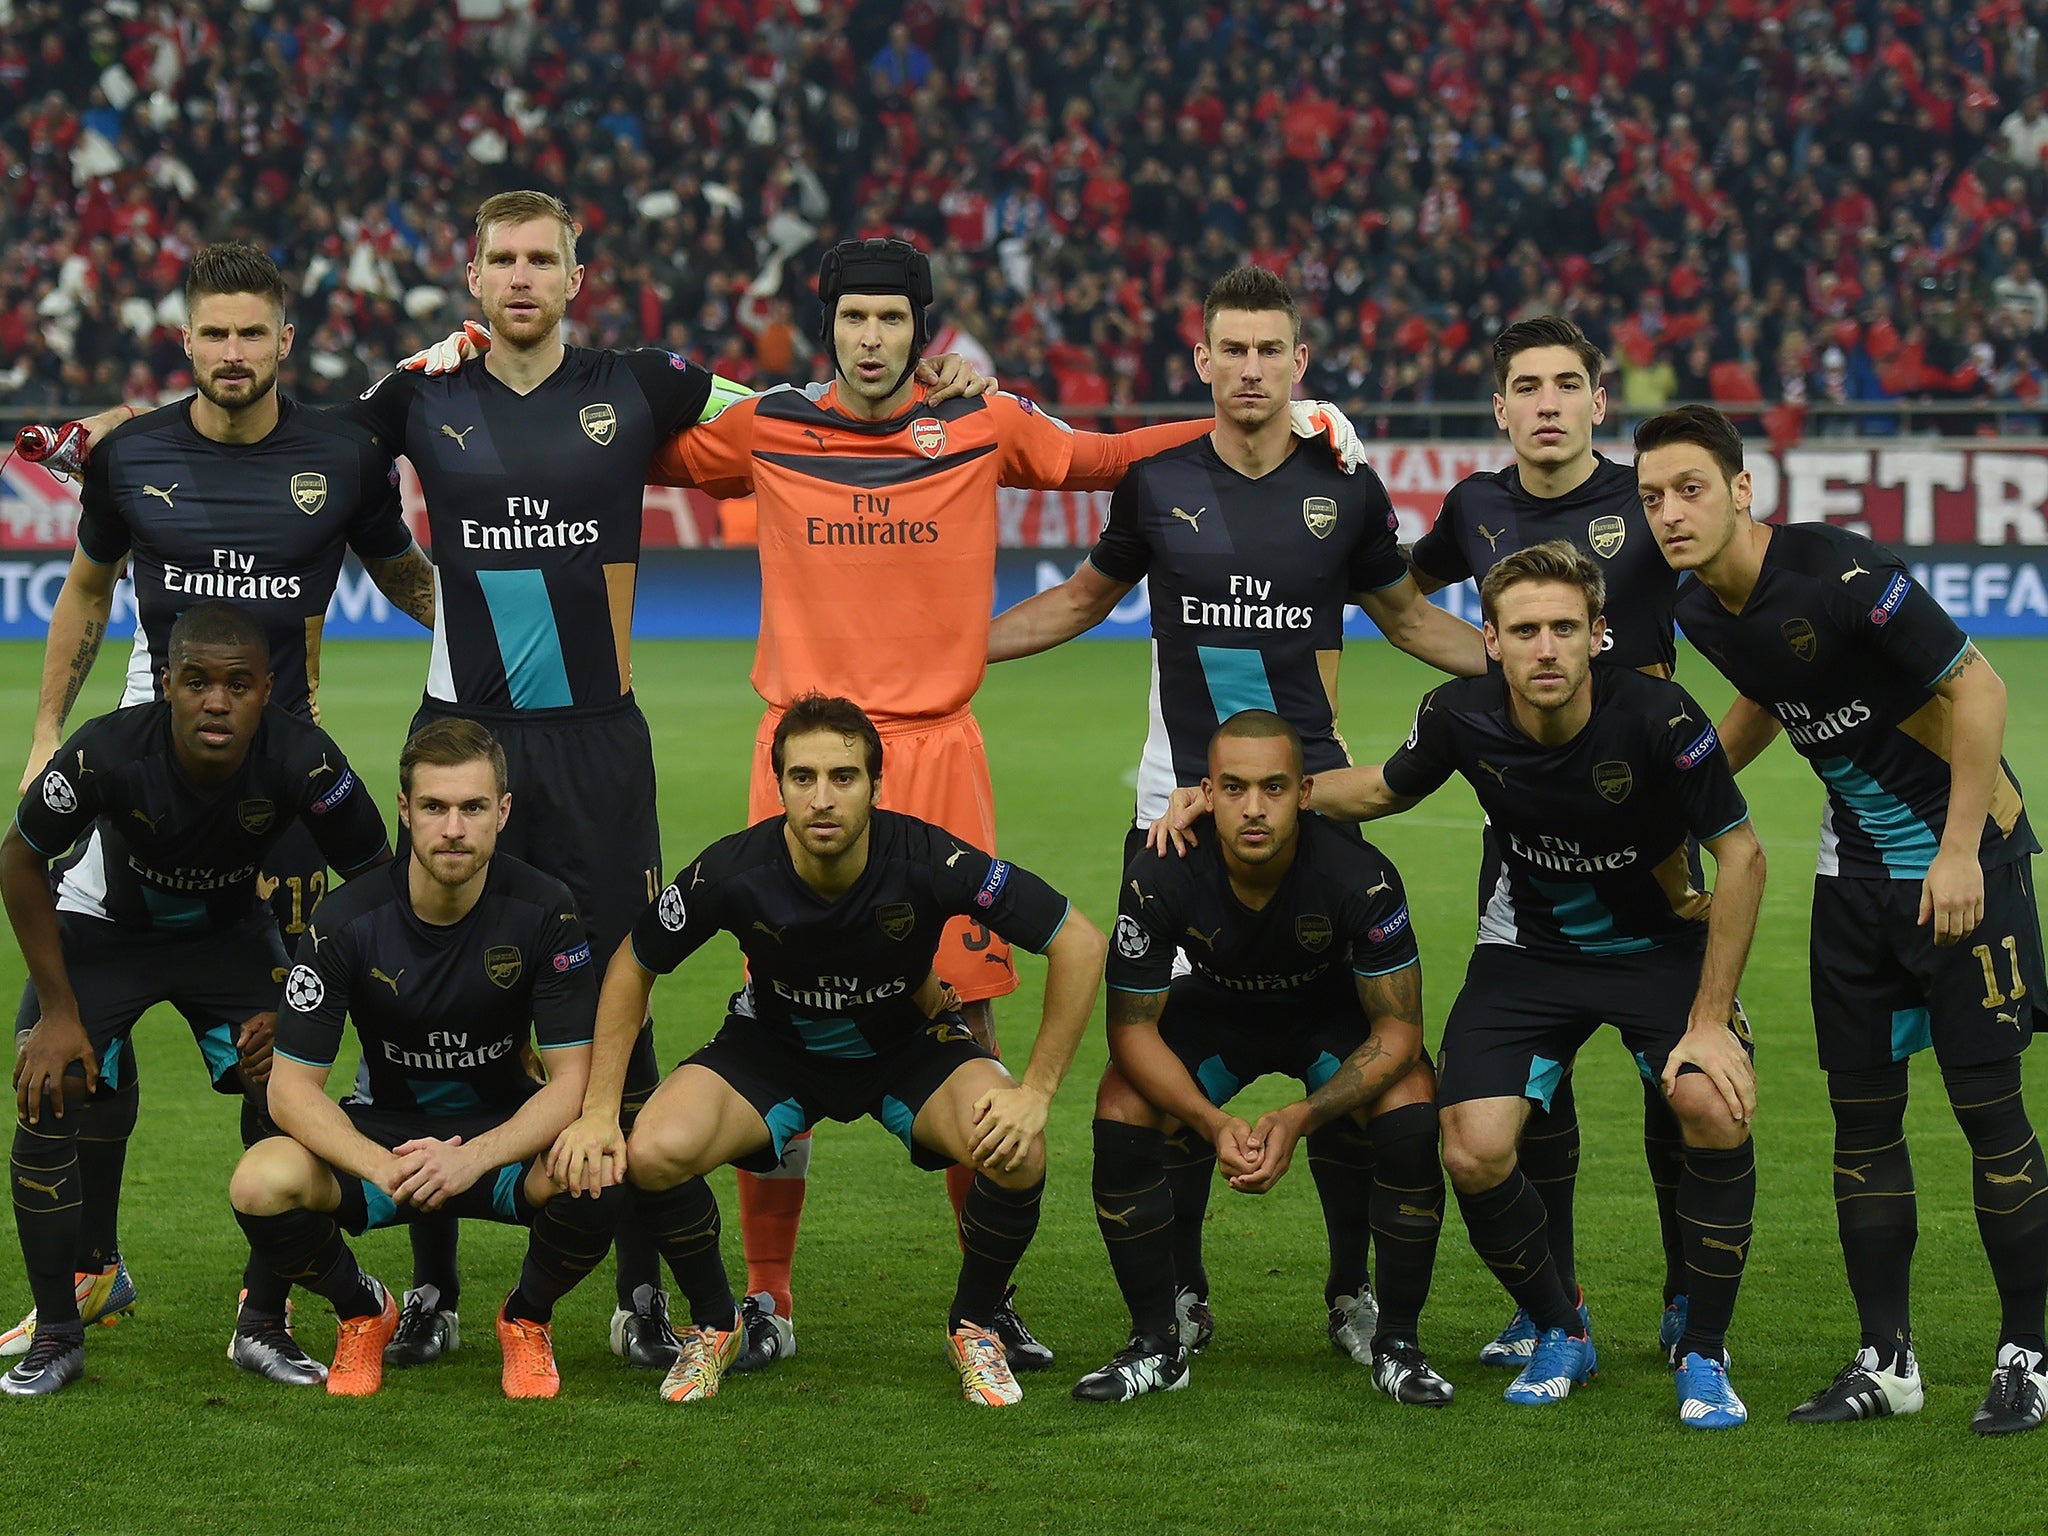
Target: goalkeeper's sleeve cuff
723, 393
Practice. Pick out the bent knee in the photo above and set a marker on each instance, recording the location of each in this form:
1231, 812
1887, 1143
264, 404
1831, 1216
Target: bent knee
272, 1177
1474, 1160
1116, 1100
1030, 1169
1704, 1119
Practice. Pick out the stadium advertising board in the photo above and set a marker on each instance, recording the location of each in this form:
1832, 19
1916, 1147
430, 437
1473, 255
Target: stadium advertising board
1972, 522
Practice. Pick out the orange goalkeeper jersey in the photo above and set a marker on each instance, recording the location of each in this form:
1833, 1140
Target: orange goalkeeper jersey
878, 538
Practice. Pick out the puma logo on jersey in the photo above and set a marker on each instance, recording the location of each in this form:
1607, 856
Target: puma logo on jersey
1735, 1248
389, 981
1192, 519
56, 1191
816, 437
1500, 775
1121, 1218
1491, 535
1853, 572
696, 876
150, 822
1208, 940
1857, 1173
311, 932
957, 854
325, 767
1384, 885
1135, 891
2022, 1177
1422, 1212
773, 933
461, 438
1680, 718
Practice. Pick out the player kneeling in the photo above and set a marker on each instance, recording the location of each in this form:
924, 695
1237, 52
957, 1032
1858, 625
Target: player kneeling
838, 908
444, 964
1304, 963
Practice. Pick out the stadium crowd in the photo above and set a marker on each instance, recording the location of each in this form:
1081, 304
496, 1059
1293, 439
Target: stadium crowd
1739, 200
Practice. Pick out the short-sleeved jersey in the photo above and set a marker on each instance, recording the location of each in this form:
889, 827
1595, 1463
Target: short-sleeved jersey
1489, 516
1592, 834
1340, 911
259, 524
878, 538
442, 1011
534, 505
1844, 648
838, 975
1248, 582
171, 858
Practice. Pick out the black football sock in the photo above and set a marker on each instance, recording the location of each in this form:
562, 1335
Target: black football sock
105, 1123
1407, 1215
1507, 1227
996, 1226
2007, 1181
638, 1263
436, 1258
1549, 1158
1664, 1151
1190, 1171
684, 1226
569, 1238
1134, 1210
1340, 1157
47, 1192
1876, 1210
1716, 1212
306, 1248
265, 1291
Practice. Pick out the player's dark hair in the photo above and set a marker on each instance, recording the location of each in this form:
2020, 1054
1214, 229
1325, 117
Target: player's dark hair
1553, 560
449, 743
215, 622
518, 207
822, 712
1254, 289
1544, 331
1259, 725
233, 267
1701, 425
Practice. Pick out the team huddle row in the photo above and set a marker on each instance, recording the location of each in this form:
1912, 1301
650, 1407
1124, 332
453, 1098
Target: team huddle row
1259, 933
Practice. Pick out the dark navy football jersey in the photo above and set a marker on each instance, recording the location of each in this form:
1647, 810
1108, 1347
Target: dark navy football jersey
442, 1011
1248, 580
1844, 648
1591, 835
1488, 516
260, 524
1340, 911
838, 975
168, 857
534, 504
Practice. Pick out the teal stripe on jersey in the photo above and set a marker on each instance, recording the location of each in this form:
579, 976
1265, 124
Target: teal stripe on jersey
112, 1077
1905, 842
524, 620
505, 1193
1544, 1076
1583, 918
173, 912
217, 1046
1236, 679
786, 1122
1912, 1031
1321, 1070
833, 1037
438, 1096
1218, 1082
897, 1117
380, 1208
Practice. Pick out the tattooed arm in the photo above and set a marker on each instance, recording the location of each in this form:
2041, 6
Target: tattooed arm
1393, 1004
1952, 895
77, 626
407, 582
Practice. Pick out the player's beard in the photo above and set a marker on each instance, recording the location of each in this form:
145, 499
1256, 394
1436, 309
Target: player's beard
1276, 843
449, 872
530, 330
238, 394
1574, 671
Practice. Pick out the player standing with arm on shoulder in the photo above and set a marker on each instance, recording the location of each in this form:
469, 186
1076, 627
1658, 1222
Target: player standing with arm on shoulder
1547, 398
1925, 930
1252, 543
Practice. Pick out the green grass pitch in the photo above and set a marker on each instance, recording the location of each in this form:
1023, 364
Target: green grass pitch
864, 1428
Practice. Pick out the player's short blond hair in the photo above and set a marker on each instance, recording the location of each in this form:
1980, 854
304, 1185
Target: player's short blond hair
517, 208
1554, 560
